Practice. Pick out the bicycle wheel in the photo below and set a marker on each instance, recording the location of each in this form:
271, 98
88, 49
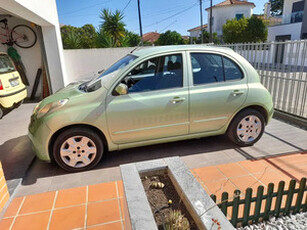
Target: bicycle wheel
23, 36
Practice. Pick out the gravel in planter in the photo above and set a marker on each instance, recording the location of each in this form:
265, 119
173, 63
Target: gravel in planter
292, 222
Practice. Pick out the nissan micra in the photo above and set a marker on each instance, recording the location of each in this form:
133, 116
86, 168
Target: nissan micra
151, 96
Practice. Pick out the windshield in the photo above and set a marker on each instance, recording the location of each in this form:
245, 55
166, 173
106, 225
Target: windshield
119, 65
5, 64
95, 83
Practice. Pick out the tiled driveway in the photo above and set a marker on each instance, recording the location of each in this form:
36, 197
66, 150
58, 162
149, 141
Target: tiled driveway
92, 207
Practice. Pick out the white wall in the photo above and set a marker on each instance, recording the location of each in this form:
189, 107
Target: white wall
294, 29
83, 63
222, 13
31, 57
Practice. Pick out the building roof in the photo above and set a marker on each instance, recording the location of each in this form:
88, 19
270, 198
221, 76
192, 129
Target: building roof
198, 28
233, 2
151, 37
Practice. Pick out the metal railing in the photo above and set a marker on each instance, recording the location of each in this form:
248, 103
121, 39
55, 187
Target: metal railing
256, 208
282, 67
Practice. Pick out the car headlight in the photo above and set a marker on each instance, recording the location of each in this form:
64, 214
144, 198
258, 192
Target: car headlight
51, 107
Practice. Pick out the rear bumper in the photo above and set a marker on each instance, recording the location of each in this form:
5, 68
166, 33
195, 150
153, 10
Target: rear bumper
8, 100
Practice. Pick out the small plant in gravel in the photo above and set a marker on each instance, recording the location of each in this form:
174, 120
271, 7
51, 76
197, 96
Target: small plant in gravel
177, 221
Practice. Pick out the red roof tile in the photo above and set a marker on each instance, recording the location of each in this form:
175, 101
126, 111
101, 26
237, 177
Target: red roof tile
233, 2
198, 28
151, 37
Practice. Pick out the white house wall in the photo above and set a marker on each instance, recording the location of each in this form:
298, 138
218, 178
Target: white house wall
222, 13
293, 29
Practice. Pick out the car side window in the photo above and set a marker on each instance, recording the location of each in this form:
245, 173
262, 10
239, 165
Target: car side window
209, 68
158, 73
232, 70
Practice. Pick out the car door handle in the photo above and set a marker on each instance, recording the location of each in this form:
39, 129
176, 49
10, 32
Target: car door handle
237, 92
177, 100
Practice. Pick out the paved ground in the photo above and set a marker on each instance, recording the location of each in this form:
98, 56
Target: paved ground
101, 206
279, 138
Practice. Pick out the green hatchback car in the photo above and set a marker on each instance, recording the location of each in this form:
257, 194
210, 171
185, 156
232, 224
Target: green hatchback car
153, 95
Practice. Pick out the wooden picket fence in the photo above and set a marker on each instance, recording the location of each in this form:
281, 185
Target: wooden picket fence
281, 202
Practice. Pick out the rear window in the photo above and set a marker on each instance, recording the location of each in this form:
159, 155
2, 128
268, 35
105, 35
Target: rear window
6, 64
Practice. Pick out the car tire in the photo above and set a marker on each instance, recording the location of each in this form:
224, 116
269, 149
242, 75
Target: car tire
246, 128
78, 149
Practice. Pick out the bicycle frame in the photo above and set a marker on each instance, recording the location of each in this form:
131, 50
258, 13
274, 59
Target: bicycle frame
5, 38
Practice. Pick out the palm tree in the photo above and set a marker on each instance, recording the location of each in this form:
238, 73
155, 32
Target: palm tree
72, 41
113, 25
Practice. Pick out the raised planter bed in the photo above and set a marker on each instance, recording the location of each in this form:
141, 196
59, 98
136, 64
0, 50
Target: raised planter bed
197, 205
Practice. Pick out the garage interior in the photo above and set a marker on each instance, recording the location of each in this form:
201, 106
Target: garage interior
33, 59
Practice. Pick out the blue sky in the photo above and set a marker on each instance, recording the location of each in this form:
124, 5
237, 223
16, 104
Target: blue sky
157, 15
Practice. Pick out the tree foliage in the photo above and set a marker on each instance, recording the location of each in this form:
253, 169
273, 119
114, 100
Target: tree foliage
276, 7
170, 38
79, 37
113, 25
244, 30
206, 38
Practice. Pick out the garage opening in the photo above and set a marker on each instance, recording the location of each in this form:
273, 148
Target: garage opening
29, 56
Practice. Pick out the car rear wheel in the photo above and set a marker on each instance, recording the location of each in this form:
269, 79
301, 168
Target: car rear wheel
78, 149
246, 128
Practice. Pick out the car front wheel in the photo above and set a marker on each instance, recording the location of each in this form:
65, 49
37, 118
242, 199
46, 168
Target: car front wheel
246, 128
78, 149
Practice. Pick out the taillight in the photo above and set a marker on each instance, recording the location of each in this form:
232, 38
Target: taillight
1, 86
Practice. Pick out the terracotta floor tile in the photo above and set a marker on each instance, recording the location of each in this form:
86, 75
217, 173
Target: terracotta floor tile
210, 173
272, 177
103, 191
68, 218
120, 187
73, 196
37, 221
5, 224
255, 166
38, 202
112, 226
245, 182
218, 187
102, 212
13, 207
232, 170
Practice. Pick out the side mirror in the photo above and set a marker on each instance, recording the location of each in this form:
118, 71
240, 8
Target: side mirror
121, 89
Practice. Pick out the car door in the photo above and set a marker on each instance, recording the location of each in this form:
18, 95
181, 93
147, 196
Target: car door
156, 105
218, 88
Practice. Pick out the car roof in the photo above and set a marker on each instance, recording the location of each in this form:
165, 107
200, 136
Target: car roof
145, 51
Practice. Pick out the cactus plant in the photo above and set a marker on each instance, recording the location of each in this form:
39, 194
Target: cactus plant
177, 221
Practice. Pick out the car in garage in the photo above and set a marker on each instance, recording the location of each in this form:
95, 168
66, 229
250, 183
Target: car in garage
153, 95
12, 90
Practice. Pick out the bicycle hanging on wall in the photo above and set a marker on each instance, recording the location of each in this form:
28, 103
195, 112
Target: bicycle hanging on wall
21, 35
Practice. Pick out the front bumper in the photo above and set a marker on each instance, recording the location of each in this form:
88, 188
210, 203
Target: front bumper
8, 100
40, 134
